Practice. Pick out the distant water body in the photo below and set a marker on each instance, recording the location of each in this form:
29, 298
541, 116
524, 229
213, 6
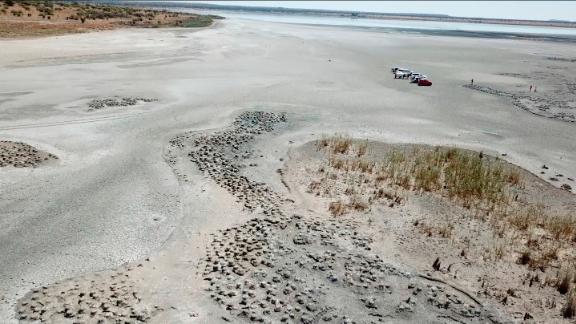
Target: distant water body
413, 26
403, 24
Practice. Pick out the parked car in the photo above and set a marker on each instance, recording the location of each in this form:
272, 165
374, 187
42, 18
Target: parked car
402, 73
415, 77
394, 69
424, 83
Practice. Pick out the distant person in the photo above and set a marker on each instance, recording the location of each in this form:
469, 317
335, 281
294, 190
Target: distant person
530, 89
472, 82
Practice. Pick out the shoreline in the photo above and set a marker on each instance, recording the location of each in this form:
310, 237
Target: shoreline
447, 33
355, 14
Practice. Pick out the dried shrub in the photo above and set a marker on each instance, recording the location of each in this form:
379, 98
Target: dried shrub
569, 309
337, 208
358, 204
525, 258
542, 260
562, 227
361, 149
525, 218
564, 282
341, 145
445, 230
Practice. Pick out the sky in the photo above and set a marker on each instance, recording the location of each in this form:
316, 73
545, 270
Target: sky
538, 10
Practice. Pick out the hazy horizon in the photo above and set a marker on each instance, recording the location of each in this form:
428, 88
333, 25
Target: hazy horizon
529, 10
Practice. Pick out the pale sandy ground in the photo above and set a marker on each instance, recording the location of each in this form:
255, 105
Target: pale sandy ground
112, 197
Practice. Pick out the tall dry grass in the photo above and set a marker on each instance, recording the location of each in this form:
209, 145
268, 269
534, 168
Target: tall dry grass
472, 179
476, 181
487, 186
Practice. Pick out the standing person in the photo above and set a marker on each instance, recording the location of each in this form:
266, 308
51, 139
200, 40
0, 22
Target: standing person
472, 82
530, 90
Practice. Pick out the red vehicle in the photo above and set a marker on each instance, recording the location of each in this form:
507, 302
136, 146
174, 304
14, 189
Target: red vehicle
424, 83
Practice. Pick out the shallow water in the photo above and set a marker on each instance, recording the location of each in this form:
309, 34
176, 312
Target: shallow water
436, 26
404, 24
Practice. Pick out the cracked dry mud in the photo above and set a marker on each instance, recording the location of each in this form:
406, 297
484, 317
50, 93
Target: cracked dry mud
107, 297
22, 155
280, 266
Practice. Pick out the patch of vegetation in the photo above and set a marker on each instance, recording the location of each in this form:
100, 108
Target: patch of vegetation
337, 208
196, 22
472, 179
491, 189
106, 16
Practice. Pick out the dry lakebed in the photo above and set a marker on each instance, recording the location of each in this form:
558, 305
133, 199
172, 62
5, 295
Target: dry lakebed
260, 172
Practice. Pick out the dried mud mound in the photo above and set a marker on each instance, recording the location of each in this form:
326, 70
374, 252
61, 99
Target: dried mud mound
22, 155
218, 156
304, 268
310, 271
97, 298
98, 104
